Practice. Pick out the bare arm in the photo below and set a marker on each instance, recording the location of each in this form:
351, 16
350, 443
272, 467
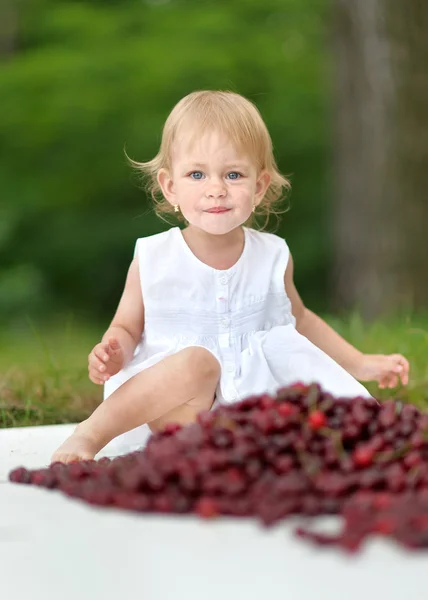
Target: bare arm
316, 329
128, 323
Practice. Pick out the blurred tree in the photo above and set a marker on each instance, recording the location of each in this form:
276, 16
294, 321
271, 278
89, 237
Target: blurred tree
9, 27
381, 56
91, 77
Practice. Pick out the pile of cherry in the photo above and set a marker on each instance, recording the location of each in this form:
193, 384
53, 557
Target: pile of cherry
302, 452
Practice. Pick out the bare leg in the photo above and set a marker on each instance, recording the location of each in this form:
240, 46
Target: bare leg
179, 386
186, 413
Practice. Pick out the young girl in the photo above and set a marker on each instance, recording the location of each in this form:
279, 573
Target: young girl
210, 313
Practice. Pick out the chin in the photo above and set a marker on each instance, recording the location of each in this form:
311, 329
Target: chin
221, 227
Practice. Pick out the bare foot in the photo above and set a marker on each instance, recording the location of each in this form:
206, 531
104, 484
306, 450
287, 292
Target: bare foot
76, 447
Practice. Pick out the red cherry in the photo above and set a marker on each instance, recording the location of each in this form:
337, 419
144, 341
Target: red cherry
286, 409
299, 386
412, 459
206, 508
382, 501
38, 477
384, 526
266, 401
317, 419
20, 475
171, 428
363, 456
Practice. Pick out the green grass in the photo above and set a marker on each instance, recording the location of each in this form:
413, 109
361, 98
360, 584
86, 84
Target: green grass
407, 335
44, 376
44, 373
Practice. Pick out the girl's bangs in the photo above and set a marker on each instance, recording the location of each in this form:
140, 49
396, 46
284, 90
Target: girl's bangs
238, 131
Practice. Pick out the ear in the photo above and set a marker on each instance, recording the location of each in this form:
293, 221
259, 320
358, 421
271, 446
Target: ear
166, 184
262, 184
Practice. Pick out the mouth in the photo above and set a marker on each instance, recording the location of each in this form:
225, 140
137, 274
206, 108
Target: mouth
218, 209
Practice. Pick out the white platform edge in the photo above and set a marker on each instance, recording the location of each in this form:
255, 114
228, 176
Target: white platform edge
32, 447
67, 549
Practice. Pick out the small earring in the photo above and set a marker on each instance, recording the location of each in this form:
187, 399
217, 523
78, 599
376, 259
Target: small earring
254, 208
176, 209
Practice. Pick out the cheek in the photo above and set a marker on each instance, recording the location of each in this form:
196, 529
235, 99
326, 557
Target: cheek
192, 188
182, 184
245, 190
187, 190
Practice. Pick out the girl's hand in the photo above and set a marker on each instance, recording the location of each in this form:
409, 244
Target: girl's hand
104, 361
387, 370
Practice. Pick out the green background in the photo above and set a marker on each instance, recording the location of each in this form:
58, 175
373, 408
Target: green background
86, 80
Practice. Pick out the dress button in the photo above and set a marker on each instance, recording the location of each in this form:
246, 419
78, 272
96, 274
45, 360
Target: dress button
225, 322
232, 396
223, 279
230, 368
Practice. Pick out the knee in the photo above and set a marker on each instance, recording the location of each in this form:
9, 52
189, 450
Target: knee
202, 363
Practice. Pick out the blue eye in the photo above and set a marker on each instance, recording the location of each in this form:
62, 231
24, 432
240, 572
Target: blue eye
196, 174
234, 175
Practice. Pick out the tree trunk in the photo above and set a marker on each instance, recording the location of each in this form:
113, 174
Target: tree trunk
381, 155
9, 27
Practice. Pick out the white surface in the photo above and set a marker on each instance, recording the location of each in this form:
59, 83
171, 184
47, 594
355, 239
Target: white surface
53, 546
32, 447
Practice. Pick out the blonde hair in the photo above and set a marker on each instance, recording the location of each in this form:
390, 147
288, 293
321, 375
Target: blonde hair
230, 114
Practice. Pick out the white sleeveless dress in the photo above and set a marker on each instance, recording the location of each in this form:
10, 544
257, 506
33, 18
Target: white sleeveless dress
242, 315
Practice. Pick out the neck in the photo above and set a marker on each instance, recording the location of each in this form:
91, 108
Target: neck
218, 243
217, 251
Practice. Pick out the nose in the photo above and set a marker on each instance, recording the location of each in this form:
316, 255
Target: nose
215, 189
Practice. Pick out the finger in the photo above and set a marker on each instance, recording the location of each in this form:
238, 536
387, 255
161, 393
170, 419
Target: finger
115, 357
405, 372
385, 381
405, 378
101, 353
96, 364
393, 382
99, 372
97, 377
115, 351
401, 360
100, 350
114, 344
403, 369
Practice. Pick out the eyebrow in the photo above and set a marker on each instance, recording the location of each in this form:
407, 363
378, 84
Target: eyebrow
229, 166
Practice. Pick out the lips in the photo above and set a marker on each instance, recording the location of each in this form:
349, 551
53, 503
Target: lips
218, 209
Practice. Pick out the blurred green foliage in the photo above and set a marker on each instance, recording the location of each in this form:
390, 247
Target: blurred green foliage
87, 78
